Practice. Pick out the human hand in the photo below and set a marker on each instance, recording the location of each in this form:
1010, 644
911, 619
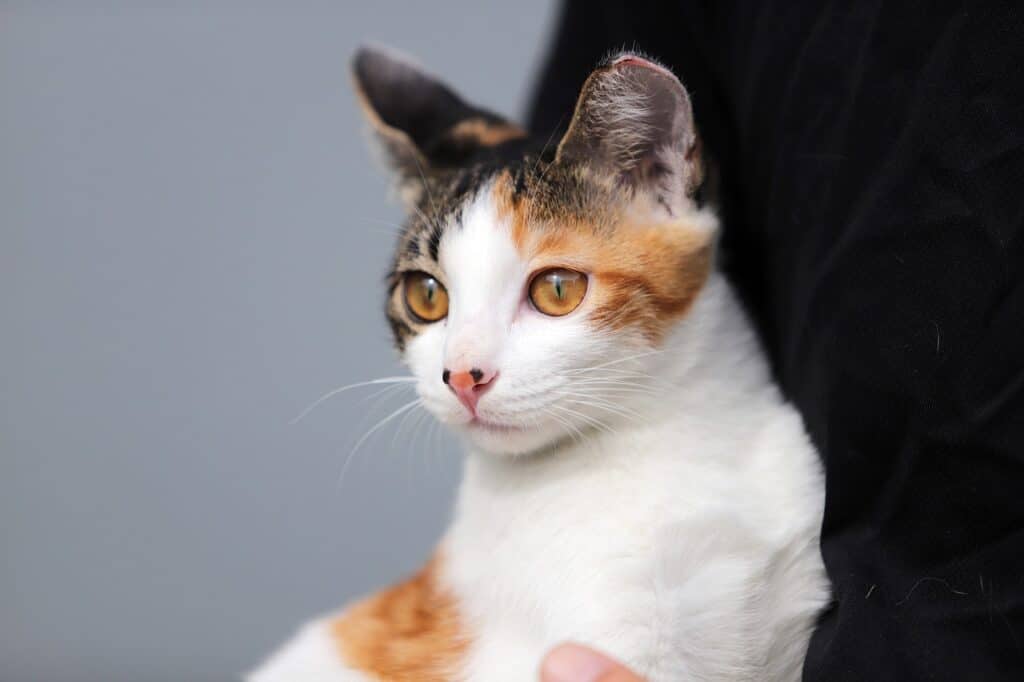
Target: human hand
577, 663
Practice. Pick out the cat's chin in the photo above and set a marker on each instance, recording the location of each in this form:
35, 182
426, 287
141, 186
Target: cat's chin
500, 439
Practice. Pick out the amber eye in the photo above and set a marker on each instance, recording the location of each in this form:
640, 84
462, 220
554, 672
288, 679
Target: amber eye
426, 299
558, 291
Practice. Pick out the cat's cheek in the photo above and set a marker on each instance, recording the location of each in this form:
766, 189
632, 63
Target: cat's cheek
423, 356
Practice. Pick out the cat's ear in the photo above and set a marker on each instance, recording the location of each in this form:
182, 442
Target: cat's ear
633, 124
422, 124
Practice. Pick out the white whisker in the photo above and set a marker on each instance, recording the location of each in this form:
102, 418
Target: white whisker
376, 427
637, 379
401, 425
593, 401
330, 394
620, 360
419, 443
597, 423
615, 389
610, 382
571, 428
381, 396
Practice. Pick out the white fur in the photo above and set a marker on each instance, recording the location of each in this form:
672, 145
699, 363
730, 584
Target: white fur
662, 505
310, 656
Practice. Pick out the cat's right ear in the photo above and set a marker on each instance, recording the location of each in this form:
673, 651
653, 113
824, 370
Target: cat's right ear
422, 125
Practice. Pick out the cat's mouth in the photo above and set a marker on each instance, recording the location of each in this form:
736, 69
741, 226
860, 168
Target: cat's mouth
492, 427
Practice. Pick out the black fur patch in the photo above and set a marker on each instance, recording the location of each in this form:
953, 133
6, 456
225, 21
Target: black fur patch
434, 241
399, 330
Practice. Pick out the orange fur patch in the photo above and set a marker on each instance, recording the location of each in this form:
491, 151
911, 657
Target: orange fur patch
411, 632
487, 134
643, 275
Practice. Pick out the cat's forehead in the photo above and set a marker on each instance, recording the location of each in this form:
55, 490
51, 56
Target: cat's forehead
482, 263
526, 190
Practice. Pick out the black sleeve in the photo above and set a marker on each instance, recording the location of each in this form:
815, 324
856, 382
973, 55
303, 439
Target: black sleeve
872, 162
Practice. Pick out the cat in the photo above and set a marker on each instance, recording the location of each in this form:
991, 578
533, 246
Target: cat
634, 480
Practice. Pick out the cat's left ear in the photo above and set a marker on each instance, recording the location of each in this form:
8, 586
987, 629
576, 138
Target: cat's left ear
633, 125
422, 124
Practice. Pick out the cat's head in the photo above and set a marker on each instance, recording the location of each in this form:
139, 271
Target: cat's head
534, 281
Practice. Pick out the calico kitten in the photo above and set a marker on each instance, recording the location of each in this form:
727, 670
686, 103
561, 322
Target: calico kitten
634, 480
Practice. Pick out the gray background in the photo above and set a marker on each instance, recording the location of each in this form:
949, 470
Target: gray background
192, 239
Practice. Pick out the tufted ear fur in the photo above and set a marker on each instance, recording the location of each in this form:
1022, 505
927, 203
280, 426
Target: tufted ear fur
633, 125
423, 126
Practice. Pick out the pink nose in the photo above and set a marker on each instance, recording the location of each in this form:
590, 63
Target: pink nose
469, 386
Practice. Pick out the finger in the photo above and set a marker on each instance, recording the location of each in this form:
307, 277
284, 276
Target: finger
577, 663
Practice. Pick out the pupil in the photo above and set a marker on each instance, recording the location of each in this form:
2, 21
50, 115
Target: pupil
558, 287
430, 291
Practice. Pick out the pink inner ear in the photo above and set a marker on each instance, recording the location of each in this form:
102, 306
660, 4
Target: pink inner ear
633, 60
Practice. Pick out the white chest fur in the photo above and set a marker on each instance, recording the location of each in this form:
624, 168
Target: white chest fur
685, 545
